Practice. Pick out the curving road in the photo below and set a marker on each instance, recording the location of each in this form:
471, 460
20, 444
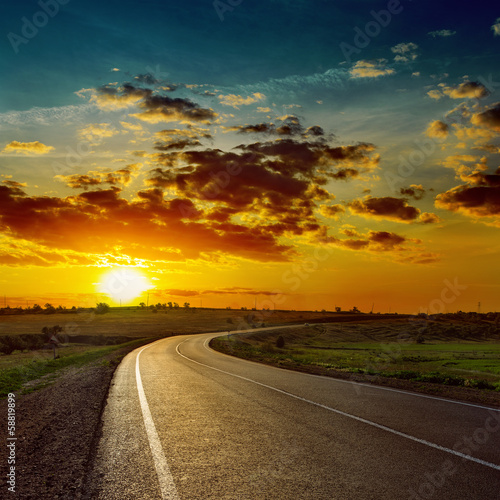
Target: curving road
185, 422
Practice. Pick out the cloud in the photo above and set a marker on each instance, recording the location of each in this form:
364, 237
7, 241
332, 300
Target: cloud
135, 127
159, 108
405, 52
489, 118
149, 227
466, 90
370, 69
331, 211
290, 125
385, 208
396, 247
438, 129
237, 100
36, 148
429, 218
274, 185
442, 33
415, 191
121, 176
435, 94
112, 98
496, 27
95, 132
176, 145
478, 199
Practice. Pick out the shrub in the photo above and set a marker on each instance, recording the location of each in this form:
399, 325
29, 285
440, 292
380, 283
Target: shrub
102, 308
280, 342
11, 343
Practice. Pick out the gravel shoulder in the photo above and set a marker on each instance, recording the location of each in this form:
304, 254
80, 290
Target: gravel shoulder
57, 430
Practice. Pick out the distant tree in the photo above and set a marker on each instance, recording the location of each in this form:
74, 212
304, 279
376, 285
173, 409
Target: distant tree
49, 309
338, 309
176, 306
102, 308
244, 309
355, 310
170, 305
142, 305
186, 305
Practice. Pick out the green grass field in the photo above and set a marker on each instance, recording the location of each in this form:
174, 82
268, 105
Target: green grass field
449, 354
25, 372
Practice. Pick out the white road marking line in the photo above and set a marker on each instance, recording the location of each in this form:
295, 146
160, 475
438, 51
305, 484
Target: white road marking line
372, 386
167, 485
354, 417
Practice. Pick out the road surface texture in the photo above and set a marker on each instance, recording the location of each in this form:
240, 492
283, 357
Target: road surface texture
185, 422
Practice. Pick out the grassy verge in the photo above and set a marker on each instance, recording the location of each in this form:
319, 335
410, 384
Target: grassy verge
446, 361
26, 372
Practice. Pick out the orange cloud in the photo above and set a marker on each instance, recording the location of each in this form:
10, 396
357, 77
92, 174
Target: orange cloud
237, 100
385, 208
370, 69
479, 198
27, 148
489, 118
438, 129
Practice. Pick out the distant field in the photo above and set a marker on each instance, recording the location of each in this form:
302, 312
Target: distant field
142, 323
450, 353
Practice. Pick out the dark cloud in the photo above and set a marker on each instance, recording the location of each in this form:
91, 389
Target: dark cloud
479, 198
344, 174
102, 222
158, 108
111, 97
121, 176
288, 126
415, 191
394, 246
177, 145
276, 183
489, 118
386, 207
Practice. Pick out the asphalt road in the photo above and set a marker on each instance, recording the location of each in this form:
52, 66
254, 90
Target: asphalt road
185, 422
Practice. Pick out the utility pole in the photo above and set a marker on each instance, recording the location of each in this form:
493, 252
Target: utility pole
479, 307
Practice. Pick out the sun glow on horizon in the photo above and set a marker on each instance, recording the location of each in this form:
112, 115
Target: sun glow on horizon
124, 284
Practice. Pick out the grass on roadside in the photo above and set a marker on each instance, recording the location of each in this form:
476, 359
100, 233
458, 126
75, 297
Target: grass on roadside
450, 361
38, 365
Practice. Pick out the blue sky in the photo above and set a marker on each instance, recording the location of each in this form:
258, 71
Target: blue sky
407, 148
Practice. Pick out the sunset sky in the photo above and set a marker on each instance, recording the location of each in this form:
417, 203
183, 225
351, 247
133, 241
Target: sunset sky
305, 154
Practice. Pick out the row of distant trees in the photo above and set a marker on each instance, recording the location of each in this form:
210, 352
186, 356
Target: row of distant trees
100, 308
166, 305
